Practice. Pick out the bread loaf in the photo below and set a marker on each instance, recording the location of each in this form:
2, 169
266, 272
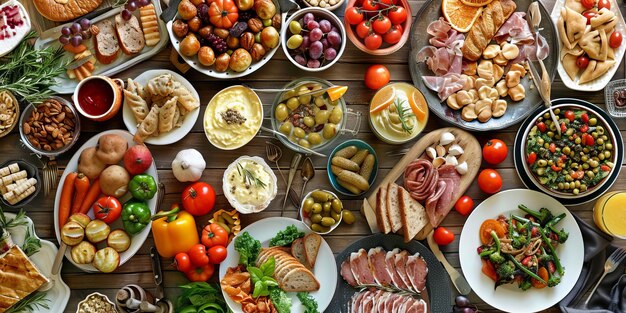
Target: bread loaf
486, 26
65, 10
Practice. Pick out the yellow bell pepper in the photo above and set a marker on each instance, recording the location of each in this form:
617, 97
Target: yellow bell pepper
174, 231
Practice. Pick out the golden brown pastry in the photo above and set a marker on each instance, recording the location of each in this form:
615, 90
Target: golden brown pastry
148, 126
571, 26
595, 44
19, 277
479, 36
65, 10
569, 64
577, 51
575, 5
605, 19
594, 70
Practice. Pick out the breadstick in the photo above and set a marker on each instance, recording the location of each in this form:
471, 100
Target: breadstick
13, 177
13, 185
7, 170
21, 188
12, 199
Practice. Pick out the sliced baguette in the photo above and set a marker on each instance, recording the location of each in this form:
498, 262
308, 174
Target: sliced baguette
299, 279
297, 250
129, 34
105, 42
312, 244
382, 218
413, 214
393, 207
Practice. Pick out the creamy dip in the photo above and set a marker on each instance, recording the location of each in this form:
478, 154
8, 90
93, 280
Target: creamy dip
250, 183
233, 117
387, 121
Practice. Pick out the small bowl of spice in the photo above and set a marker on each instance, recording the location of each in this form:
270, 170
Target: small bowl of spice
9, 112
96, 303
51, 127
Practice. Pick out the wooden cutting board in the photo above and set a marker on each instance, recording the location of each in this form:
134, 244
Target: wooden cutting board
472, 155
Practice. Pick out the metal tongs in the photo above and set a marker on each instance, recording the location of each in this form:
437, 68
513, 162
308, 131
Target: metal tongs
533, 17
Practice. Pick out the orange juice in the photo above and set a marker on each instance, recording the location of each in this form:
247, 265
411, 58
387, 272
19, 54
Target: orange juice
609, 213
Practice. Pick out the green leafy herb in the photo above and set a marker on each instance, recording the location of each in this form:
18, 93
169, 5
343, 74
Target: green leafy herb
29, 73
31, 244
30, 303
309, 303
249, 178
262, 279
201, 297
403, 115
280, 300
18, 220
286, 236
248, 248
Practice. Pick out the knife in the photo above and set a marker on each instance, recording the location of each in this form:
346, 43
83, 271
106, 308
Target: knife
458, 280
156, 271
295, 163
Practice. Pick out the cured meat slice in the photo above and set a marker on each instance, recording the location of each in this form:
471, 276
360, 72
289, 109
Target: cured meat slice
437, 210
368, 303
420, 179
516, 29
444, 85
400, 262
381, 302
417, 270
395, 308
389, 301
357, 301
379, 267
346, 273
390, 260
359, 264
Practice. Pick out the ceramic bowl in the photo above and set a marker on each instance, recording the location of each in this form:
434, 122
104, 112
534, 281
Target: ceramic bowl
13, 121
95, 294
333, 7
360, 144
307, 221
31, 172
247, 208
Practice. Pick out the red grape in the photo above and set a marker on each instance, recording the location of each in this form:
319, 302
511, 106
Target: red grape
334, 38
315, 50
66, 31
300, 60
307, 18
76, 41
75, 28
325, 26
311, 25
64, 39
313, 63
316, 34
126, 15
330, 54
84, 24
131, 6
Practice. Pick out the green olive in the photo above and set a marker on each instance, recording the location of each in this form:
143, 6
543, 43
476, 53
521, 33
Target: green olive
593, 163
600, 141
281, 112
337, 205
335, 216
326, 207
299, 132
316, 208
607, 154
550, 162
305, 143
569, 131
295, 27
583, 187
575, 191
594, 135
308, 204
328, 221
309, 121
566, 150
584, 158
572, 185
316, 218
590, 174
336, 115
305, 99
546, 115
542, 163
329, 131
322, 117
585, 166
593, 121
540, 141
574, 165
560, 185
319, 228
557, 111
552, 127
315, 138
600, 130
285, 128
546, 145
293, 103
319, 101
577, 183
595, 170
541, 171
321, 196
348, 217
577, 140
302, 90
586, 150
289, 93
601, 156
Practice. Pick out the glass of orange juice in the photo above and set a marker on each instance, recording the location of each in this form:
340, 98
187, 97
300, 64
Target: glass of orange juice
609, 213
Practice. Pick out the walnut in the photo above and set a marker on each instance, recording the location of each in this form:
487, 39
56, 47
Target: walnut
247, 40
276, 21
255, 25
257, 52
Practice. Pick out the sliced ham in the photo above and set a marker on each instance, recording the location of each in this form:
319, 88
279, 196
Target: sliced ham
420, 179
395, 308
444, 85
357, 301
381, 302
400, 262
376, 258
444, 54
516, 29
437, 210
390, 260
367, 303
346, 273
359, 264
417, 270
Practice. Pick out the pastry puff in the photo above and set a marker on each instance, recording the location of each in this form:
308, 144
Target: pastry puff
605, 19
594, 70
571, 26
596, 44
569, 64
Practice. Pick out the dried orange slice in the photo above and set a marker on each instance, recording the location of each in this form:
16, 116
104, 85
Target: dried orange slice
418, 105
476, 3
460, 16
382, 99
336, 92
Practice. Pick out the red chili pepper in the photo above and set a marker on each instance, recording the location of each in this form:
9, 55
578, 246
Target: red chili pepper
584, 128
585, 118
605, 168
532, 157
552, 147
542, 127
555, 168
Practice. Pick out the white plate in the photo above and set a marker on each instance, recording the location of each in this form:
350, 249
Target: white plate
59, 294
65, 85
138, 239
325, 267
509, 297
7, 45
177, 133
600, 82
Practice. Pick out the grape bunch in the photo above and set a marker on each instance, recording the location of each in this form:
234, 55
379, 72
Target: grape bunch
218, 44
463, 305
315, 43
75, 33
131, 6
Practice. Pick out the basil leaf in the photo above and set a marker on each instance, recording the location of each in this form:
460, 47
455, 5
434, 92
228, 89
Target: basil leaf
268, 267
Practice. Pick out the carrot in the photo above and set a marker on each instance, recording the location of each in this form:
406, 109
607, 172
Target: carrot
81, 185
543, 273
485, 230
91, 197
67, 195
74, 49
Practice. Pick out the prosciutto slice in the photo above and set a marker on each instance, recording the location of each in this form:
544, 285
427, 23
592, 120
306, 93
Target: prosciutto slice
444, 85
360, 267
516, 29
346, 273
449, 180
378, 264
417, 270
390, 260
420, 179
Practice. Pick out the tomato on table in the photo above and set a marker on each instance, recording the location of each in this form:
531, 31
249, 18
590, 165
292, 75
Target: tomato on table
107, 209
198, 198
200, 273
443, 236
353, 15
464, 205
377, 76
198, 255
217, 254
214, 235
489, 181
487, 227
182, 262
495, 151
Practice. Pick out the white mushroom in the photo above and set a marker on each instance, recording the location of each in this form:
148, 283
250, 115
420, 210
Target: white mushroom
431, 153
451, 160
462, 168
455, 150
446, 138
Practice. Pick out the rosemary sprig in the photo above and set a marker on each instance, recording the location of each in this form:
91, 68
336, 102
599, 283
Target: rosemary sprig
249, 178
18, 220
403, 115
30, 303
31, 244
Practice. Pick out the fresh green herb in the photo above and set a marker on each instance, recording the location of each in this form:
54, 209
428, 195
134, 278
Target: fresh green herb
403, 115
248, 248
286, 236
31, 244
309, 303
280, 300
18, 220
249, 178
262, 279
201, 297
30, 303
28, 72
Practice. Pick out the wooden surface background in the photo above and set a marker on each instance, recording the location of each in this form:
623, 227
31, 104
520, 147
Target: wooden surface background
348, 71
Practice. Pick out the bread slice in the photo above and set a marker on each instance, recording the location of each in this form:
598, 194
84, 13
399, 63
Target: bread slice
299, 279
413, 214
312, 244
382, 219
150, 25
297, 250
105, 42
281, 272
129, 34
393, 207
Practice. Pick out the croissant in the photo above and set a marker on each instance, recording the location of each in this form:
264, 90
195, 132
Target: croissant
594, 70
479, 36
595, 44
571, 26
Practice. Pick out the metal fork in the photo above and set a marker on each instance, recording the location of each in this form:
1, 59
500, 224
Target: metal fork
50, 175
274, 153
609, 266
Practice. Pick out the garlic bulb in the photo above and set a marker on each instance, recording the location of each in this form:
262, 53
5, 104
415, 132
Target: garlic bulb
188, 165
446, 138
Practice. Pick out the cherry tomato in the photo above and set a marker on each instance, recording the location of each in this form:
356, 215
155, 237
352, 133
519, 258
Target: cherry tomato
376, 76
464, 205
108, 209
182, 262
381, 25
198, 198
198, 255
370, 5
604, 4
363, 29
532, 157
443, 236
615, 40
588, 3
552, 147
585, 118
495, 151
489, 181
569, 114
387, 2
398, 15
373, 41
393, 36
582, 61
214, 235
353, 15
542, 127
200, 273
217, 254
589, 15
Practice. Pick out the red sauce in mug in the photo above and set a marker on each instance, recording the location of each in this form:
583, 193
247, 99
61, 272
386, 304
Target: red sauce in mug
95, 97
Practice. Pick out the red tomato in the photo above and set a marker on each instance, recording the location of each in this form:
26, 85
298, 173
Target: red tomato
393, 36
353, 16
588, 3
373, 41
214, 235
381, 25
615, 40
552, 147
489, 270
108, 209
198, 255
398, 15
376, 76
217, 254
198, 198
589, 15
532, 157
443, 236
387, 2
495, 151
569, 114
370, 5
582, 61
200, 273
542, 127
464, 205
604, 4
363, 29
489, 181
585, 118
182, 262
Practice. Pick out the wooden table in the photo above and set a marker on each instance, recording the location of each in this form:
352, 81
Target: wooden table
348, 71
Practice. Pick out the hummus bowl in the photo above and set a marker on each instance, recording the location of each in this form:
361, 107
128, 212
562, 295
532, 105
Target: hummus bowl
233, 117
249, 184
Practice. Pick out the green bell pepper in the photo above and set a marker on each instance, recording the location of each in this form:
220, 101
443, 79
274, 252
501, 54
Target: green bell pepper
142, 187
135, 216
